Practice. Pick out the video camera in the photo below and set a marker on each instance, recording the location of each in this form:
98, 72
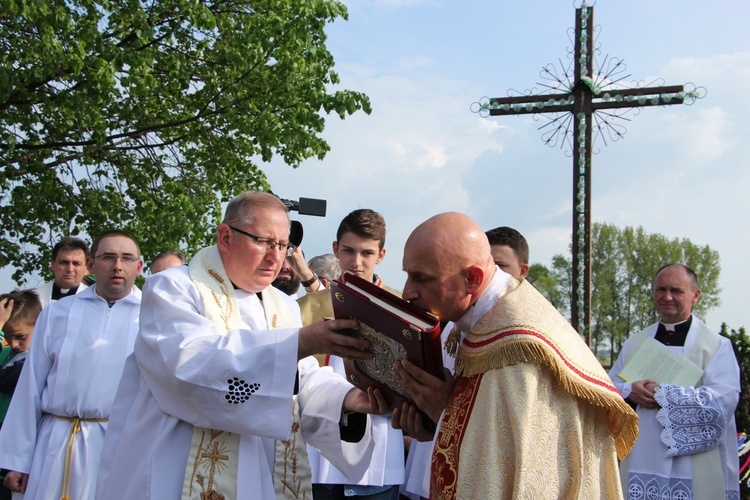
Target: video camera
305, 206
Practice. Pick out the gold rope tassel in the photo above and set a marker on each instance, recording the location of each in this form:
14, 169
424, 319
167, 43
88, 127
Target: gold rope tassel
67, 469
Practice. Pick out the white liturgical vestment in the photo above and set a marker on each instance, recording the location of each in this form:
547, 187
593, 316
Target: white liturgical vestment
184, 373
73, 370
687, 447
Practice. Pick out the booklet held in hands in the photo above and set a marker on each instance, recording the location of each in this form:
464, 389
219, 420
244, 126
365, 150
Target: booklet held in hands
655, 361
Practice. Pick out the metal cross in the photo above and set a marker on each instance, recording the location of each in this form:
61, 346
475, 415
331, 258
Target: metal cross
578, 97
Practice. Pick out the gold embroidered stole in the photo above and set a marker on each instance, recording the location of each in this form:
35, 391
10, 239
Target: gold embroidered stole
214, 454
446, 454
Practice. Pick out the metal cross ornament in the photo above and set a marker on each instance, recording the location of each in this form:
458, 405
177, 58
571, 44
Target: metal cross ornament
594, 102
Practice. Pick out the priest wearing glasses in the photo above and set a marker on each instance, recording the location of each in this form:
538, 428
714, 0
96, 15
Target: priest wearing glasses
222, 391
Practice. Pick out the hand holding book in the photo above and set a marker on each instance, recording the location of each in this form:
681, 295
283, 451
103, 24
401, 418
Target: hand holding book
396, 330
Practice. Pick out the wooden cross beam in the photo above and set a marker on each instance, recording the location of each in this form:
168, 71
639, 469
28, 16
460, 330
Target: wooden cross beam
584, 95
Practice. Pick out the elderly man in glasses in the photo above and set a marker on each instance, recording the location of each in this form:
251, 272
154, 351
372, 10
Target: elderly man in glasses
205, 406
52, 437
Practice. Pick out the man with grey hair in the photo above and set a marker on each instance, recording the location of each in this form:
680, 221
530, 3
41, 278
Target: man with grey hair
217, 362
687, 445
326, 267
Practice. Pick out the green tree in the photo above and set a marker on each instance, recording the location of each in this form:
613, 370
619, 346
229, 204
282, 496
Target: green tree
547, 284
624, 262
146, 115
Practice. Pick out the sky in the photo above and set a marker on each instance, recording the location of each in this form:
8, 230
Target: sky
679, 170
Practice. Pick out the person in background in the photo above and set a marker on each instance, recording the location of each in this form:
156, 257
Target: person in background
52, 437
18, 313
166, 259
359, 247
687, 447
326, 267
288, 280
69, 269
510, 251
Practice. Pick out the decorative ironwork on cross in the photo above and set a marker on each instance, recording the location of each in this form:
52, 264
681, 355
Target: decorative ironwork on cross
593, 101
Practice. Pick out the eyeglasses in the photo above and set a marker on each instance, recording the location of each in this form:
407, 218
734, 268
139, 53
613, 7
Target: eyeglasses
286, 248
111, 258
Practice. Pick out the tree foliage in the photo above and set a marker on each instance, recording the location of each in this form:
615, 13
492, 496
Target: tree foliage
146, 115
624, 262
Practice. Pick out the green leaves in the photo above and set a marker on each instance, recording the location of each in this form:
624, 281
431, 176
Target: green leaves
146, 115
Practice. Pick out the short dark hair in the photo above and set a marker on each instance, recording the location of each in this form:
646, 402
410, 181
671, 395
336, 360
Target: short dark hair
691, 274
365, 223
110, 234
174, 253
509, 237
26, 307
69, 243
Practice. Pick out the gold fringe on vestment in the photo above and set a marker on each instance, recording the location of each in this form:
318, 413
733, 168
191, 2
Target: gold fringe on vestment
524, 328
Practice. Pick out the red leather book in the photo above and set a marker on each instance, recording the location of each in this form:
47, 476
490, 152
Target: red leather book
395, 328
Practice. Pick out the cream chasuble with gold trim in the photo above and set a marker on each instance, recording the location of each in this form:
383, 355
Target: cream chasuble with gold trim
533, 413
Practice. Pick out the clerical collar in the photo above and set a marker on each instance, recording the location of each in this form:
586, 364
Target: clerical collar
673, 334
60, 293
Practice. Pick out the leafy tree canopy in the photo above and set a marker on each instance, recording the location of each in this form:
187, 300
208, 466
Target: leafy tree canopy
146, 115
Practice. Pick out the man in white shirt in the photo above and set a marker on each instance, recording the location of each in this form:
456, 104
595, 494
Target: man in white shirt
687, 447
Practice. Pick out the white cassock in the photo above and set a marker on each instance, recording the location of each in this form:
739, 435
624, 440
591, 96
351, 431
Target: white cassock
73, 369
696, 420
176, 380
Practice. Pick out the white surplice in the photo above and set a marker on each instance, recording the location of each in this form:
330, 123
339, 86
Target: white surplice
73, 369
387, 465
709, 415
176, 379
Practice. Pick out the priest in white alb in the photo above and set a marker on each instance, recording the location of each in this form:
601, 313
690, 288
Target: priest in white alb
687, 447
204, 409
